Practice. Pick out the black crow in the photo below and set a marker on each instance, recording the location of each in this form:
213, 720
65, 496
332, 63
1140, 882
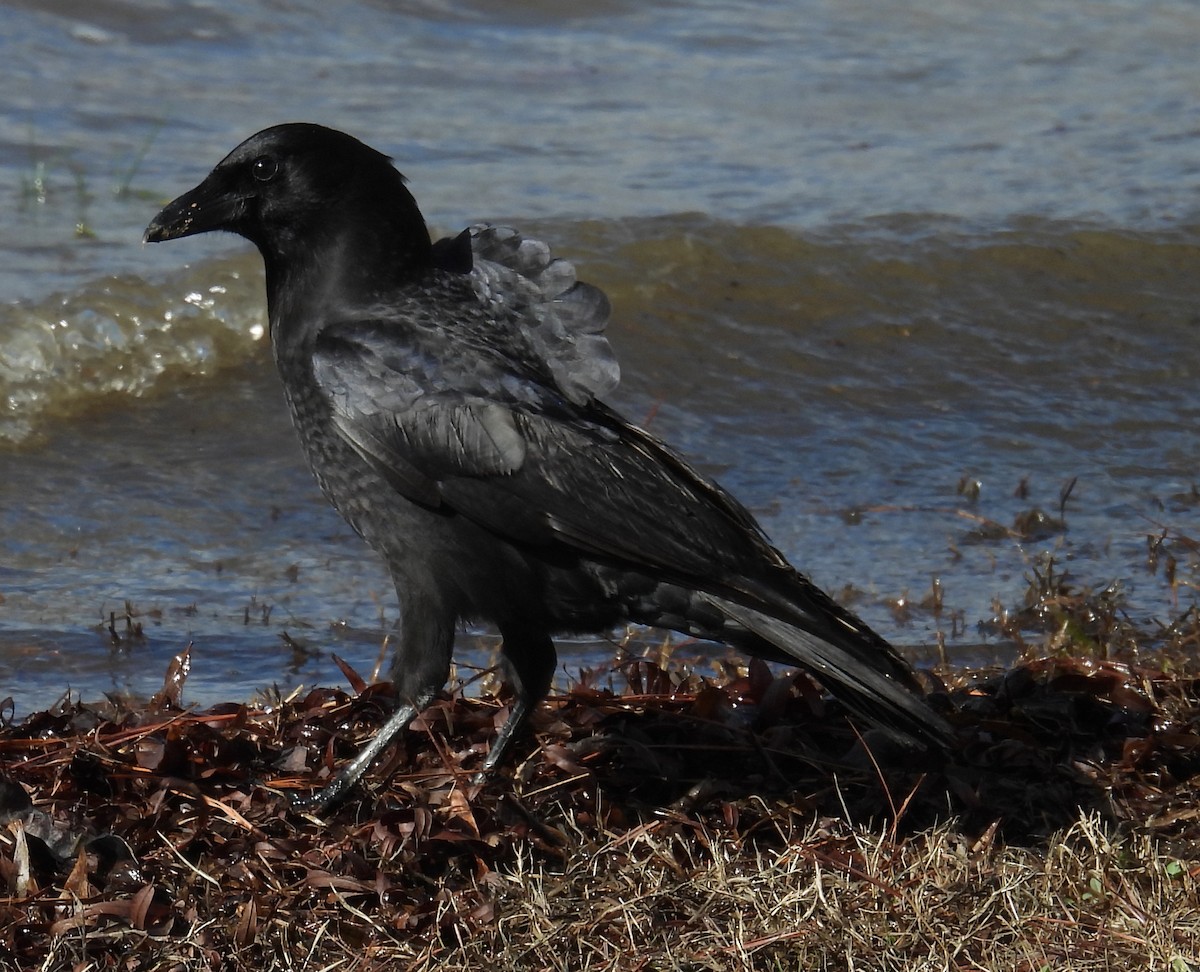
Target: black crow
448, 396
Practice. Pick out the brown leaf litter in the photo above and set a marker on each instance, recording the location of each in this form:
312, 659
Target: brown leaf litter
662, 820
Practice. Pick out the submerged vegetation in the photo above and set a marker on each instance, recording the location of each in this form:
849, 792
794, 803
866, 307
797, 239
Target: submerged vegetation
55, 179
663, 821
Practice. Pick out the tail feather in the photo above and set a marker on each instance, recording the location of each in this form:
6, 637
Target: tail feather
868, 677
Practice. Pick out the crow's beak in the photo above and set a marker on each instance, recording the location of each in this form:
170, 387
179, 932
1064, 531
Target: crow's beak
207, 207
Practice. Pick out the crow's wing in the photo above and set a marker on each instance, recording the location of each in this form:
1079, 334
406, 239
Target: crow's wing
508, 449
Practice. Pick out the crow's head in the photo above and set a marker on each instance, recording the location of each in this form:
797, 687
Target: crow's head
291, 187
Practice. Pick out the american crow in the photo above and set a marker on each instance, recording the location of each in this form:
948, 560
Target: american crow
448, 396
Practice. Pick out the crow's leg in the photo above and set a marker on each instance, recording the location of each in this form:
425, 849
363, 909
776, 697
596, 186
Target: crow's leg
529, 652
419, 671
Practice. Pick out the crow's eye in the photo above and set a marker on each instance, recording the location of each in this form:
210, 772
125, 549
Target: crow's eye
264, 169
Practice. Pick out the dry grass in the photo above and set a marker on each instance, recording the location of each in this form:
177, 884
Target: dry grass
841, 898
661, 897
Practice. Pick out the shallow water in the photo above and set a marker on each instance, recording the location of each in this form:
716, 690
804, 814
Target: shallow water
858, 256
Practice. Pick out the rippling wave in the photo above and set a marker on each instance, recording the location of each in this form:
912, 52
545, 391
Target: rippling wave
1014, 296
123, 337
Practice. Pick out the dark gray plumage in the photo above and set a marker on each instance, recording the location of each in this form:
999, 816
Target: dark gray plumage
448, 398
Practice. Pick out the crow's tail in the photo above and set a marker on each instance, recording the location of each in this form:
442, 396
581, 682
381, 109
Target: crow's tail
858, 666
